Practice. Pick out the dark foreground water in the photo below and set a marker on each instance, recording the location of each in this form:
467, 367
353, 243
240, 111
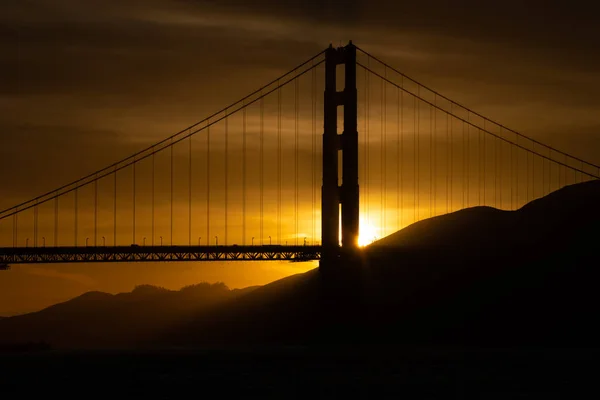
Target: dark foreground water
299, 372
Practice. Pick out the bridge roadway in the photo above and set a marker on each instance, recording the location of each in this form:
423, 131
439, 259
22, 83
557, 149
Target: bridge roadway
88, 254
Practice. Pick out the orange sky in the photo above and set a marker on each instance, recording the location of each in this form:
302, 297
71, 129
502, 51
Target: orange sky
89, 84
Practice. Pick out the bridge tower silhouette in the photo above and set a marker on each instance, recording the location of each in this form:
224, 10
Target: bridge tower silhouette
346, 195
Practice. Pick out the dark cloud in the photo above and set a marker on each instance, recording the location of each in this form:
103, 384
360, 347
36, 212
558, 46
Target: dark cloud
94, 61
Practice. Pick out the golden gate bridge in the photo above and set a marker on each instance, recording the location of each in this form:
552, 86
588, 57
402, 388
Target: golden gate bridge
314, 164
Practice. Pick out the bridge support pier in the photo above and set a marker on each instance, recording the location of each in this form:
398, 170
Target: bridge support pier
335, 195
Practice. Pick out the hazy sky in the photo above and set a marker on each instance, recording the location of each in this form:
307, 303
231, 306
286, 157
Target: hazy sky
83, 84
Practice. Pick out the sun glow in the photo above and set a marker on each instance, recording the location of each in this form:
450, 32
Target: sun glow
367, 235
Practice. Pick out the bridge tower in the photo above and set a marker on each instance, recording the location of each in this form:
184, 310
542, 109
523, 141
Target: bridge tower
335, 195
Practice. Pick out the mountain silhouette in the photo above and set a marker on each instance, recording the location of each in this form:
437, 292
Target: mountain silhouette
478, 276
102, 320
563, 216
475, 277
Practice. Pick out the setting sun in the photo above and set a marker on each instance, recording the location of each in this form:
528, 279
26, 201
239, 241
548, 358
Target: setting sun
368, 234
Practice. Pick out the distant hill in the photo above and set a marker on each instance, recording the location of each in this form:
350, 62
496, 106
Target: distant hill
563, 216
97, 319
479, 276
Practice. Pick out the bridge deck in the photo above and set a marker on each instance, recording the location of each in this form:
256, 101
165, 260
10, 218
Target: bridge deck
49, 255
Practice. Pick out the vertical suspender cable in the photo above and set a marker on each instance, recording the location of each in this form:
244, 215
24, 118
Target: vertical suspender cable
464, 165
511, 180
401, 152
558, 180
468, 160
566, 171
115, 208
496, 172
541, 172
15, 230
533, 158
134, 193
517, 172
190, 193
533, 170
543, 175
261, 166
56, 220
560, 174
497, 179
383, 111
479, 162
76, 206
550, 164
313, 147
226, 174
549, 170
153, 179
450, 142
171, 149
35, 224
498, 203
549, 179
296, 108
527, 174
432, 129
208, 183
534, 178
367, 141
484, 162
96, 210
557, 175
415, 158
278, 164
365, 146
243, 175
398, 159
417, 155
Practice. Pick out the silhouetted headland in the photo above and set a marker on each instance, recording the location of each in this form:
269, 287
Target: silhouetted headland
476, 277
103, 320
